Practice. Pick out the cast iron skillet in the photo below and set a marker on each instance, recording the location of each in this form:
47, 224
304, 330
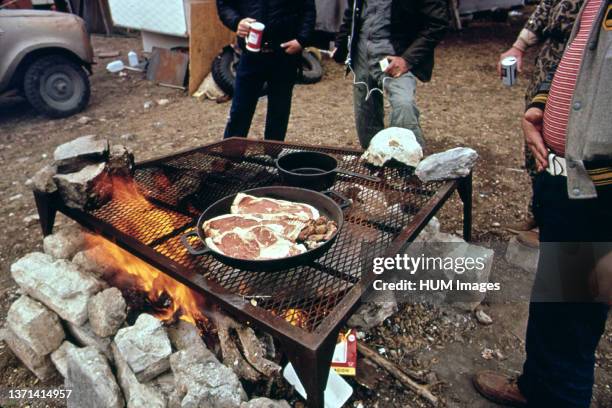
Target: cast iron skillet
313, 170
326, 206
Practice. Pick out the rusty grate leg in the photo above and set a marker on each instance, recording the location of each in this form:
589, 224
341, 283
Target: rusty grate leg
312, 366
464, 188
46, 211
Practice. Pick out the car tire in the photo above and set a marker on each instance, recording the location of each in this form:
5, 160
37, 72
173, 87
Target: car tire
56, 86
312, 70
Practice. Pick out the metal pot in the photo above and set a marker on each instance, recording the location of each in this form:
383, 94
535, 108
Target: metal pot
313, 170
321, 201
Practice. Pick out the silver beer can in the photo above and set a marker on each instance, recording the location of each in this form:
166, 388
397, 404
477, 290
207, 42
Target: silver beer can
508, 68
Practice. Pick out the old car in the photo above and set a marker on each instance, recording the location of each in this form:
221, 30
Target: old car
46, 57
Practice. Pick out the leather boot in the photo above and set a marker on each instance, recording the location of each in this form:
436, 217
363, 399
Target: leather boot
499, 388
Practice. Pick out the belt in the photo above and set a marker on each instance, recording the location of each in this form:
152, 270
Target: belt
556, 165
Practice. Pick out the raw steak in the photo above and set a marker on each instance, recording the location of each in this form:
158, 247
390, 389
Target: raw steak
255, 243
288, 228
269, 208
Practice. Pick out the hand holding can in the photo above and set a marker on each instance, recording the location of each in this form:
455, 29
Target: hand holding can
244, 26
508, 71
253, 41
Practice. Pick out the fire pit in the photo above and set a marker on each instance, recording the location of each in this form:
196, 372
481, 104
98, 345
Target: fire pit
303, 307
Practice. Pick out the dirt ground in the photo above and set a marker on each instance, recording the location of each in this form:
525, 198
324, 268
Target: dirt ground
464, 105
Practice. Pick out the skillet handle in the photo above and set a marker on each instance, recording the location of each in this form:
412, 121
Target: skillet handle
358, 175
190, 249
344, 202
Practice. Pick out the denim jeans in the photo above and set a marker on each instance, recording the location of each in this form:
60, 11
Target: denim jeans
369, 105
562, 335
279, 71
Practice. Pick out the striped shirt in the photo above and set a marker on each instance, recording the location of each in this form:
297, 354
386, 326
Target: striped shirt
556, 114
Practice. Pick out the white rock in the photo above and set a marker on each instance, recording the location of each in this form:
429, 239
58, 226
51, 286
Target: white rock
523, 256
107, 312
148, 104
43, 180
41, 366
371, 314
65, 243
394, 143
145, 346
84, 336
58, 357
202, 381
58, 284
31, 220
137, 395
163, 102
87, 188
83, 120
76, 154
451, 164
91, 380
483, 317
35, 325
265, 403
184, 335
89, 261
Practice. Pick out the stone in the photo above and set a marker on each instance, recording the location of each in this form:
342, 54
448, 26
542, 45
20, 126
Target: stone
107, 311
65, 243
41, 366
165, 384
148, 104
137, 395
58, 357
265, 403
91, 380
145, 346
83, 120
35, 325
120, 161
394, 144
451, 164
469, 300
202, 381
84, 336
88, 261
483, 318
163, 102
58, 284
86, 189
184, 335
43, 181
371, 314
521, 255
79, 153
31, 220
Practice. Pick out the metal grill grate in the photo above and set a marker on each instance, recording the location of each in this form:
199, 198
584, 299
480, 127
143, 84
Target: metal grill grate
180, 187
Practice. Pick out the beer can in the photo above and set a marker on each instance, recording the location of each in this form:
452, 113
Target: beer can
508, 68
253, 42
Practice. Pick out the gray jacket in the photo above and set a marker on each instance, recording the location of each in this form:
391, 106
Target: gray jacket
589, 134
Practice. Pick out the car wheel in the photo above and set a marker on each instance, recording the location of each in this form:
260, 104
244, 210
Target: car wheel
312, 70
224, 70
56, 86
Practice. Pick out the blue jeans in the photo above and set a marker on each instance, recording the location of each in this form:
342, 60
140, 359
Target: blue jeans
562, 335
279, 71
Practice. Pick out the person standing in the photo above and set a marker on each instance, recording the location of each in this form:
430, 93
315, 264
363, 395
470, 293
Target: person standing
288, 26
404, 34
548, 27
566, 126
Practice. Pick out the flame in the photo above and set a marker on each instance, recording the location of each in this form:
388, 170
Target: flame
132, 272
295, 317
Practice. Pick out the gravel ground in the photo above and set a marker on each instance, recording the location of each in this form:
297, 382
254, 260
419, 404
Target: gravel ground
464, 105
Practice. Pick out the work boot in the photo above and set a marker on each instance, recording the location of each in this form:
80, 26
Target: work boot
526, 225
499, 388
529, 238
